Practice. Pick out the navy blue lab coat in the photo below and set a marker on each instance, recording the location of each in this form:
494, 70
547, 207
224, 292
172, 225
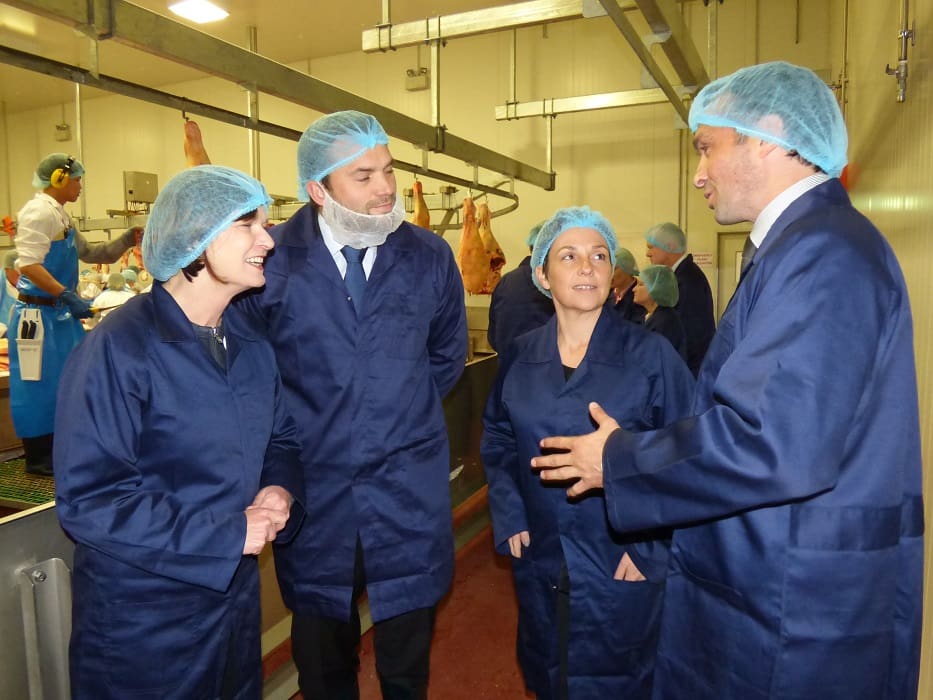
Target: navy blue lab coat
666, 321
639, 379
516, 307
366, 395
797, 565
695, 306
157, 454
627, 308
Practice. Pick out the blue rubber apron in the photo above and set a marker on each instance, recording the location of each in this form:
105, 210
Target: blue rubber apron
32, 403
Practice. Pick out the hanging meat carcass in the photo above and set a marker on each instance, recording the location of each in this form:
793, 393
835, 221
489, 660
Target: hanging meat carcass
471, 257
195, 153
494, 254
420, 216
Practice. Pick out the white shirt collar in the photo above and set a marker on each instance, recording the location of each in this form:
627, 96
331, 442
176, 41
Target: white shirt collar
334, 248
679, 260
779, 204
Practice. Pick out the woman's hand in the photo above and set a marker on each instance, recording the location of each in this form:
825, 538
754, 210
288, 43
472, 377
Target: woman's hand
516, 541
627, 571
261, 527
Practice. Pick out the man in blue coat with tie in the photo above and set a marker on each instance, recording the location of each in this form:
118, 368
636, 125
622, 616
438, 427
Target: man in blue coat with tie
366, 316
666, 244
797, 562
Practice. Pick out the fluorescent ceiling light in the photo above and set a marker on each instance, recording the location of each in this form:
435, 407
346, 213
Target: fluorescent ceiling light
17, 22
200, 11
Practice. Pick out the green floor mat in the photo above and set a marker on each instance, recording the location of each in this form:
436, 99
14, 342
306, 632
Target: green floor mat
21, 490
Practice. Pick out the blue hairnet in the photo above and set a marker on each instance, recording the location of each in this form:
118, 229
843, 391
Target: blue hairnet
116, 281
128, 274
52, 162
563, 219
533, 234
661, 284
625, 261
809, 119
667, 236
333, 141
193, 207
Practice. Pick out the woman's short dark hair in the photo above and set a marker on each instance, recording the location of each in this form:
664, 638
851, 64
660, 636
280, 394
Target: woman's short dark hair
191, 270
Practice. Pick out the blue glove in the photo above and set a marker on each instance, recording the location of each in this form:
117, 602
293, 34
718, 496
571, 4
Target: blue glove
78, 307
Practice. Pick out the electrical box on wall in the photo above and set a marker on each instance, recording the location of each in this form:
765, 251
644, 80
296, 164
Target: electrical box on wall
140, 187
417, 79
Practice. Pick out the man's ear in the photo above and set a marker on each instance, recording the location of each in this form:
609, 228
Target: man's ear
769, 124
315, 191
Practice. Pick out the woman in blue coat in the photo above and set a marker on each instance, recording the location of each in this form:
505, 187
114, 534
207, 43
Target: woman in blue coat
177, 460
656, 292
589, 598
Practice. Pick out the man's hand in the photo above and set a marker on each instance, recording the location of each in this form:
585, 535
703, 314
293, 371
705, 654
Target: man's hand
78, 307
580, 457
516, 542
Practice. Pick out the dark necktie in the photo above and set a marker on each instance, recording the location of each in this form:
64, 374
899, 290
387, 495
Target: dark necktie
355, 278
748, 252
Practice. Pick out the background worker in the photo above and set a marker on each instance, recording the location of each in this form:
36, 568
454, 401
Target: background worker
516, 305
623, 287
48, 248
796, 490
366, 315
667, 245
656, 292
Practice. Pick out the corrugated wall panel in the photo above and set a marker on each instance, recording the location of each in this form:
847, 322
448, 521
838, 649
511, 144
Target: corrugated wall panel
891, 152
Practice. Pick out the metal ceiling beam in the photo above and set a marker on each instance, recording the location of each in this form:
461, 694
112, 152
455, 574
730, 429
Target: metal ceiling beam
638, 46
663, 16
82, 76
386, 37
551, 107
147, 31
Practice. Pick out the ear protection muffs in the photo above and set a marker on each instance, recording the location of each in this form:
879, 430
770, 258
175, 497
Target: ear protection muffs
60, 176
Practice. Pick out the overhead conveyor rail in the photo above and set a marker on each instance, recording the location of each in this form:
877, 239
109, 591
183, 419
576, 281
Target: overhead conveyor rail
662, 16
123, 22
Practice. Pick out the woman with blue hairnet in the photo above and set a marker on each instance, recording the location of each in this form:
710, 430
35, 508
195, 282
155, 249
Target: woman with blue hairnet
177, 459
589, 599
47, 307
656, 290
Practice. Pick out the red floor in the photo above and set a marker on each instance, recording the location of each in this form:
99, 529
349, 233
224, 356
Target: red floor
473, 656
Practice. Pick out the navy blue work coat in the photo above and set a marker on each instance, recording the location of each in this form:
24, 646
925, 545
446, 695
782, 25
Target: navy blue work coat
627, 308
366, 395
798, 561
516, 307
666, 321
695, 306
157, 454
639, 380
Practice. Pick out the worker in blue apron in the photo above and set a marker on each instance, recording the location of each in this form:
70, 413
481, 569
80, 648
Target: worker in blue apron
47, 313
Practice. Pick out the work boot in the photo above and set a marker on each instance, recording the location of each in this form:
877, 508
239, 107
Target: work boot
38, 454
